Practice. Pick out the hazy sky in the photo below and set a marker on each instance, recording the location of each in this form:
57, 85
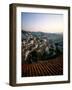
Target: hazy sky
44, 22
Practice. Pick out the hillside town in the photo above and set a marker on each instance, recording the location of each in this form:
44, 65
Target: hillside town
37, 46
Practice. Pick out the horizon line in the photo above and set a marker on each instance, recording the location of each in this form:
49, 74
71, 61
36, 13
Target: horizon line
41, 31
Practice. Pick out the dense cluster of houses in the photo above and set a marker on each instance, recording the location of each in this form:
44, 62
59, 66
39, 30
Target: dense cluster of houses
37, 48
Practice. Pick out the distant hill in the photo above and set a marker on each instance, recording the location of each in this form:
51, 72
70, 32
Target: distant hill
50, 36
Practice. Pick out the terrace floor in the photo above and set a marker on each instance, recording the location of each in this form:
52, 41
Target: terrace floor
44, 68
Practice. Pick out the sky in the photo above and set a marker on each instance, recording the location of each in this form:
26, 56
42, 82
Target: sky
43, 22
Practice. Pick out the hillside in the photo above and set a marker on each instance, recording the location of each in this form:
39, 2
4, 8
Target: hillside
38, 46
